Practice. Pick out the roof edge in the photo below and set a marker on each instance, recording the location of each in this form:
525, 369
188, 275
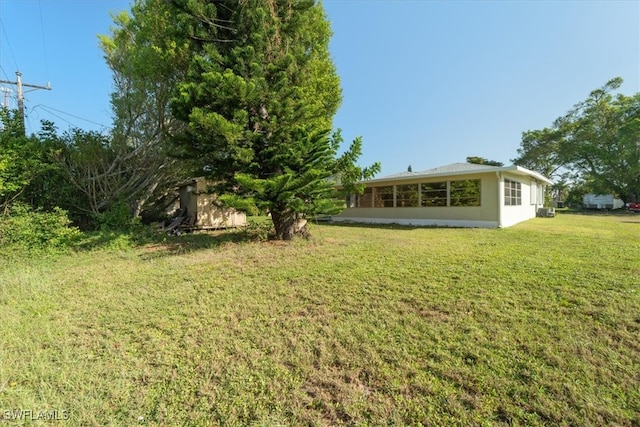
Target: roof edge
489, 169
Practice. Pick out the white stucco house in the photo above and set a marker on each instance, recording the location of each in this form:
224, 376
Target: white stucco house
456, 195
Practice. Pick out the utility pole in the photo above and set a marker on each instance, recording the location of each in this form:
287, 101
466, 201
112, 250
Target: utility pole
20, 85
6, 96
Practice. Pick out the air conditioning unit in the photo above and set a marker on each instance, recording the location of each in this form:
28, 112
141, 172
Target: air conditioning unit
546, 212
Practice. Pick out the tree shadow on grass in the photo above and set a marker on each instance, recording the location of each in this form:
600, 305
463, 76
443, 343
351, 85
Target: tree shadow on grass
156, 244
192, 242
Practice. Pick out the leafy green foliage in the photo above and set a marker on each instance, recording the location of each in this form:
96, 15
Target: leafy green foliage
22, 159
259, 98
539, 151
147, 62
602, 141
597, 143
482, 161
105, 174
26, 229
118, 217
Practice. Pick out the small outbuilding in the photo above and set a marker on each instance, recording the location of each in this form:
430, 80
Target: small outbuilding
455, 195
199, 209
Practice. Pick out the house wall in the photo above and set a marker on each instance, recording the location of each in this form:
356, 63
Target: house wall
492, 212
532, 194
485, 215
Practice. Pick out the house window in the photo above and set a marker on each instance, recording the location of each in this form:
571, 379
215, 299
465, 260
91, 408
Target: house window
383, 197
433, 194
365, 200
465, 192
512, 193
407, 196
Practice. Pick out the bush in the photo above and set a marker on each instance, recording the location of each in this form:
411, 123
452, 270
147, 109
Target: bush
37, 230
259, 231
118, 218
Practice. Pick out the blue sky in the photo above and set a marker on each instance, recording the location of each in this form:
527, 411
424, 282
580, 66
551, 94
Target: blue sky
425, 83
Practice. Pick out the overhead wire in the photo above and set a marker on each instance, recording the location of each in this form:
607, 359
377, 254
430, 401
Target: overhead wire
48, 110
44, 41
4, 73
54, 115
6, 39
7, 56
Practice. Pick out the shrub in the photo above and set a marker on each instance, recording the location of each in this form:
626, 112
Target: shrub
118, 218
259, 231
37, 230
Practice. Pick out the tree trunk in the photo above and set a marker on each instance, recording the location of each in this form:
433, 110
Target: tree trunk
288, 224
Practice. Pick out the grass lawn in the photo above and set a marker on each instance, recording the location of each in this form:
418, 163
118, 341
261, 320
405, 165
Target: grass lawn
537, 324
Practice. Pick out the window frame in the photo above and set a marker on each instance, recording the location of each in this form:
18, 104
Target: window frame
381, 199
365, 200
477, 198
512, 192
414, 201
436, 194
445, 193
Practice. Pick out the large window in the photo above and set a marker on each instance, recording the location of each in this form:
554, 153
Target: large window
383, 197
434, 194
465, 192
407, 196
365, 200
427, 194
512, 193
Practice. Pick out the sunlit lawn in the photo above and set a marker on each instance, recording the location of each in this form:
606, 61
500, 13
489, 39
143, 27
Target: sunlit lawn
538, 324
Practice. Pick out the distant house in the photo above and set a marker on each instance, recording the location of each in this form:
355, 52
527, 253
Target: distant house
200, 212
456, 195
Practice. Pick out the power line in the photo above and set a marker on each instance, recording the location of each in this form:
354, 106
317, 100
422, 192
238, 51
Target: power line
44, 41
4, 73
6, 37
54, 115
47, 109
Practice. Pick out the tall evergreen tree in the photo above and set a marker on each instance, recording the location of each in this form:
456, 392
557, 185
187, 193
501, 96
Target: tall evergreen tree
259, 100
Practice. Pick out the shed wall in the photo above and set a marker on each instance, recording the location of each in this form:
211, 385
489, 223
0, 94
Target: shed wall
199, 205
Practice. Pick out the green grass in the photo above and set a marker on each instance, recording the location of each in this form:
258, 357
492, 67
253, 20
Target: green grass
537, 324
